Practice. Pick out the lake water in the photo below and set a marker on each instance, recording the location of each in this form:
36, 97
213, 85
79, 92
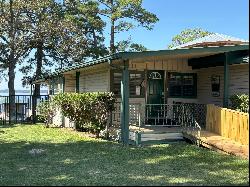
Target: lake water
43, 92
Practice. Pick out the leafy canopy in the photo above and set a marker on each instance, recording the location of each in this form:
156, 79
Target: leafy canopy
188, 35
125, 15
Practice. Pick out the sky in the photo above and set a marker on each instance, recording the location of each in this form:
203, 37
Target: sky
229, 17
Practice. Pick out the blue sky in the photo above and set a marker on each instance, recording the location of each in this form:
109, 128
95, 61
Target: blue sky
230, 17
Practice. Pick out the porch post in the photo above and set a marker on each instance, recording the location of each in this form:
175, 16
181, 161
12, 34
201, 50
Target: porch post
125, 105
226, 80
77, 81
63, 84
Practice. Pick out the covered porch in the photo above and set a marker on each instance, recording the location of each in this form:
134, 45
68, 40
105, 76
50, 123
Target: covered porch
171, 94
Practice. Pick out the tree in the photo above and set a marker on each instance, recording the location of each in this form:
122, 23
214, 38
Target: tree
121, 13
13, 42
128, 45
62, 34
188, 35
84, 21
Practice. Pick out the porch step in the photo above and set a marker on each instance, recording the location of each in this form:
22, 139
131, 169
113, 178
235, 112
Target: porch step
162, 136
155, 138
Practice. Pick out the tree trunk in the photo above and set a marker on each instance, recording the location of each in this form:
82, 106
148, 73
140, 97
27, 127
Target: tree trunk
112, 31
11, 67
112, 37
11, 86
39, 58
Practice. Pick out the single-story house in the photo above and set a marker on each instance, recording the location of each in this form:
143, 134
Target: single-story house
205, 71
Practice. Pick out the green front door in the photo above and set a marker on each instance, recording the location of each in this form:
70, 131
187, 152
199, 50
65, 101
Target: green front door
155, 97
155, 93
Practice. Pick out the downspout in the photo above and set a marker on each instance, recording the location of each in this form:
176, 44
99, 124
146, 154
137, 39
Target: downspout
226, 80
77, 82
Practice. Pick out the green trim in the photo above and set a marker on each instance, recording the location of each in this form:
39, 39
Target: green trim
194, 50
77, 82
226, 80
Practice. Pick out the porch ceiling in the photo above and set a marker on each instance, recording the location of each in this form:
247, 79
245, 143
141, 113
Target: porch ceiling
169, 57
235, 57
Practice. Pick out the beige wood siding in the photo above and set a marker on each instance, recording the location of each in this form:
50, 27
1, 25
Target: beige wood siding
204, 90
239, 79
94, 81
70, 83
174, 65
238, 83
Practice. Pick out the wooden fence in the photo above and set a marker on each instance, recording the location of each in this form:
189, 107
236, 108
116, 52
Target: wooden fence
228, 123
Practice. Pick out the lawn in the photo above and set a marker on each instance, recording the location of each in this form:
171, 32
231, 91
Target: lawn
67, 158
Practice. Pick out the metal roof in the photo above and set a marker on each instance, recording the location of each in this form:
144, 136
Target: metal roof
212, 38
144, 54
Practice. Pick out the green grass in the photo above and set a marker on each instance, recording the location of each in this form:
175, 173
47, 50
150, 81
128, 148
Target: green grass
71, 159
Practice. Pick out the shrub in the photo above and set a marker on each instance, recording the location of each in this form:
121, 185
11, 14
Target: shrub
89, 111
47, 110
240, 102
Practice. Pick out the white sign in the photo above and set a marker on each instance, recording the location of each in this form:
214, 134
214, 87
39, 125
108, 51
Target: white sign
138, 90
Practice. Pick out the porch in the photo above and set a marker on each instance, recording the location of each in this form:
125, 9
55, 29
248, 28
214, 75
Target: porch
210, 126
161, 123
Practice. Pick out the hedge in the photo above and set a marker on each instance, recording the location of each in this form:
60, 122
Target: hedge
240, 102
88, 110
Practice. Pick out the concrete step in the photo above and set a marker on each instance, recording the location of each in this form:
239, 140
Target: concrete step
155, 138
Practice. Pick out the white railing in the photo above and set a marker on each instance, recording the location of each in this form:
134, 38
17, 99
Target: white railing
186, 116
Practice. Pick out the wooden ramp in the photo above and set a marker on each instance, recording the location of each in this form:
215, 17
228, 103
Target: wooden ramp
219, 143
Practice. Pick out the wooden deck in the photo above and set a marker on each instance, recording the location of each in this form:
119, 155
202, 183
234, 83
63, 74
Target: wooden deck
222, 144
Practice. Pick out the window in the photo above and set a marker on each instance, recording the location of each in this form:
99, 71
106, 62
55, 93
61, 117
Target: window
135, 83
182, 85
56, 85
117, 77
